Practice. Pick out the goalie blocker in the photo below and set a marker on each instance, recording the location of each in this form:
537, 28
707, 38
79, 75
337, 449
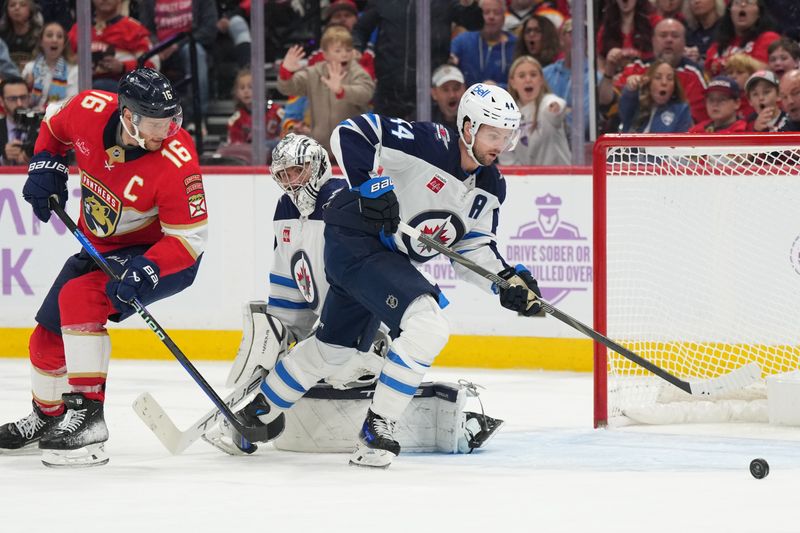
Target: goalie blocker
328, 418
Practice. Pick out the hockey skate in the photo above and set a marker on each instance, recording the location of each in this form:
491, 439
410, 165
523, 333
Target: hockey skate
20, 436
79, 438
224, 437
376, 444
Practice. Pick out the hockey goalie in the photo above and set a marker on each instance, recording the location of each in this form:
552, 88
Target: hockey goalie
329, 416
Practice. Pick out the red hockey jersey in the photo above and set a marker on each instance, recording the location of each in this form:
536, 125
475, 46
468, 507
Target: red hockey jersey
130, 196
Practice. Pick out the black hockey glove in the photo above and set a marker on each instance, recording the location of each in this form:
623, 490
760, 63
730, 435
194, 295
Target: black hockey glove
523, 294
378, 204
139, 279
47, 175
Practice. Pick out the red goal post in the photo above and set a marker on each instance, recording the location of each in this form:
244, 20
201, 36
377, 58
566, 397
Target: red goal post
696, 262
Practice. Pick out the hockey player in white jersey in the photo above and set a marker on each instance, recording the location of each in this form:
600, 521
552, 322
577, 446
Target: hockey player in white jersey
297, 289
444, 185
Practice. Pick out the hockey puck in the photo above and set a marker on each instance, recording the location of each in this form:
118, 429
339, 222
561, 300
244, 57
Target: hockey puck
759, 468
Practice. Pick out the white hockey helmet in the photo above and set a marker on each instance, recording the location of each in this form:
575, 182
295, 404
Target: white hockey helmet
490, 105
299, 151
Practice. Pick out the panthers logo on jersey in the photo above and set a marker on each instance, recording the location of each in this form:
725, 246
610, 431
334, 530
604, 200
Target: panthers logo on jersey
303, 275
101, 207
443, 226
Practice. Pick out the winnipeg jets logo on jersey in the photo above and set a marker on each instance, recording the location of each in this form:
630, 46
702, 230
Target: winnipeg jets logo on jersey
303, 275
445, 227
101, 207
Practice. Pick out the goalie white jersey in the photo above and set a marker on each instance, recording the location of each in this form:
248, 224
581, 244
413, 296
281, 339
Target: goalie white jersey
435, 195
297, 278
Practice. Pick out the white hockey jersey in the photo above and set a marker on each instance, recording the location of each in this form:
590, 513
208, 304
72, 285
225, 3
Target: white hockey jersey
435, 195
297, 279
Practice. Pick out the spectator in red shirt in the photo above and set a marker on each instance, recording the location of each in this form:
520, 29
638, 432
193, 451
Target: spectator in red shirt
746, 27
668, 45
722, 103
626, 25
240, 124
117, 42
762, 91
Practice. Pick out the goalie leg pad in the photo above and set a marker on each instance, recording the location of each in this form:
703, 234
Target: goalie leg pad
425, 331
264, 340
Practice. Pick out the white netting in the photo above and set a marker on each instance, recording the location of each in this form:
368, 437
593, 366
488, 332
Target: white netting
703, 259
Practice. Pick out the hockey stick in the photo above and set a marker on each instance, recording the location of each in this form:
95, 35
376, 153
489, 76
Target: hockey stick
251, 433
736, 379
175, 440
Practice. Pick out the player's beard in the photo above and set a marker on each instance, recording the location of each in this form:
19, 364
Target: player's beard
483, 157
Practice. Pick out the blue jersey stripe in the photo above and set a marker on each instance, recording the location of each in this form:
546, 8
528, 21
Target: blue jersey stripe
286, 304
280, 280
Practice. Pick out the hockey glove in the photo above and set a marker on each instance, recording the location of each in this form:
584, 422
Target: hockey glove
378, 204
524, 291
47, 175
138, 280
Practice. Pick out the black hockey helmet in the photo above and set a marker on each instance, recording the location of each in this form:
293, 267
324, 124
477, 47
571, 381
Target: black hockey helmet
148, 93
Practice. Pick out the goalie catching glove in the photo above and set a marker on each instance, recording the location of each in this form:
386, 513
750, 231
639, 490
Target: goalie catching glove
524, 292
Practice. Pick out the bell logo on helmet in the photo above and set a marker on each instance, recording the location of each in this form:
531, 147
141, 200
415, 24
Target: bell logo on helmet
481, 91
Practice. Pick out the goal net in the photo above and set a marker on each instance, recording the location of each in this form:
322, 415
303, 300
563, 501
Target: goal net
697, 269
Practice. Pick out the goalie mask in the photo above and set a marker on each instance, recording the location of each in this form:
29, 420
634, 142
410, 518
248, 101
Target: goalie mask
492, 106
300, 165
154, 106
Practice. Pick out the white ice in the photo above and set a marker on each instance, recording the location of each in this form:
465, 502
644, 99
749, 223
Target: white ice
546, 471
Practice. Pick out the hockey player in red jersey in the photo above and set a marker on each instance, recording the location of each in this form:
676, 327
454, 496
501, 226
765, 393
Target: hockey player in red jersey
143, 207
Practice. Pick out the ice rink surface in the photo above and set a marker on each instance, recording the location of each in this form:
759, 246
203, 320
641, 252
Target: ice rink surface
546, 471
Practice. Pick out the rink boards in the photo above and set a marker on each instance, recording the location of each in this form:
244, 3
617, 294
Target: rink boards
545, 224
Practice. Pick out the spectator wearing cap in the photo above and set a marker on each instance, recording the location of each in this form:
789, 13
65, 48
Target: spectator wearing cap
789, 91
722, 104
762, 92
342, 12
448, 87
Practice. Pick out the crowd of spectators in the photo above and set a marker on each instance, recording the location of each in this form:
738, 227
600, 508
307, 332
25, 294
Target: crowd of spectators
662, 66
